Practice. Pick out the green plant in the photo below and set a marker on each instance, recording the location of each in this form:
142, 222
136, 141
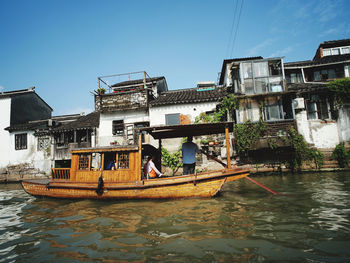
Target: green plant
246, 134
228, 105
172, 160
317, 157
300, 152
341, 155
101, 90
341, 89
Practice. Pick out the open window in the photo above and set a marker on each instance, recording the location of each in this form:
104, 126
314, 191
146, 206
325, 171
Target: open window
118, 127
317, 107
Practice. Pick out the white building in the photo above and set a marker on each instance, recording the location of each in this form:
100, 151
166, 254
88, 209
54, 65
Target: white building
21, 112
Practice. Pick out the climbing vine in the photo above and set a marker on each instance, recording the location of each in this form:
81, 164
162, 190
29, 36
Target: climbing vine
246, 134
341, 89
301, 152
228, 105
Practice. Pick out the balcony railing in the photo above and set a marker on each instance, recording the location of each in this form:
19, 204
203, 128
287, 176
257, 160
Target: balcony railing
60, 173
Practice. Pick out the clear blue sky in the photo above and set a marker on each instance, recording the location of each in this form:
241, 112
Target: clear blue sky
62, 46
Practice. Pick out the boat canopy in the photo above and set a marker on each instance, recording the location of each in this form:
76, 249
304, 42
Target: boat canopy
106, 149
177, 131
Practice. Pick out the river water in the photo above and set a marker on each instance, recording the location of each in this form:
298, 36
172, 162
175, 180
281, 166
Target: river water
310, 222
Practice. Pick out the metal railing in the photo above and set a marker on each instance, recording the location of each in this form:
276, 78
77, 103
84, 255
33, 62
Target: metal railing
60, 173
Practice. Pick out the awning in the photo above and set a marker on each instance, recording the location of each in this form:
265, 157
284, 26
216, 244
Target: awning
178, 131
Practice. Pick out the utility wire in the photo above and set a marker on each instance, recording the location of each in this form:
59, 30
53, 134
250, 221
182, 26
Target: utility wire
239, 17
231, 31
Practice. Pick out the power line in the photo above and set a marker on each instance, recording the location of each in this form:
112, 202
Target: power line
231, 31
239, 17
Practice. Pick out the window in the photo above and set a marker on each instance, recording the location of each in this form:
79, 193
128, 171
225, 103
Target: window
317, 108
345, 50
172, 119
247, 71
261, 69
118, 127
273, 111
347, 71
324, 74
296, 78
43, 143
262, 77
326, 52
123, 161
335, 51
21, 141
84, 162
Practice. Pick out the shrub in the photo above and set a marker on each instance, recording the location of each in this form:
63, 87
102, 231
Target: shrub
341, 155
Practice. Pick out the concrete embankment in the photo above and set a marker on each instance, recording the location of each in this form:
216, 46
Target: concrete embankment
16, 173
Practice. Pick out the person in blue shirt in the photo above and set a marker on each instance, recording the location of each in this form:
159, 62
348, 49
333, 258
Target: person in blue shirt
111, 165
189, 150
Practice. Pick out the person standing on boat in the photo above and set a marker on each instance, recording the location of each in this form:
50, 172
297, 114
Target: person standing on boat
189, 150
151, 170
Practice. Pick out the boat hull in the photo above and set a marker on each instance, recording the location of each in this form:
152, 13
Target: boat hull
201, 185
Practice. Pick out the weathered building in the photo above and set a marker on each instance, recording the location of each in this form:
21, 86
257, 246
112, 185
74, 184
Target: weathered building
260, 88
125, 108
318, 120
21, 114
70, 132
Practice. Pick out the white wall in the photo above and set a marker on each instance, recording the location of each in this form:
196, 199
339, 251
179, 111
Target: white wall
318, 132
37, 158
105, 135
344, 123
5, 109
191, 110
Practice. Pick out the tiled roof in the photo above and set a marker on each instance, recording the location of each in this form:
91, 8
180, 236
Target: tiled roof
13, 93
227, 61
88, 121
318, 62
29, 126
135, 82
306, 87
67, 122
335, 43
194, 95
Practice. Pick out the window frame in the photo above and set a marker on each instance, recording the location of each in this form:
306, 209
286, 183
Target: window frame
118, 127
172, 115
21, 141
319, 103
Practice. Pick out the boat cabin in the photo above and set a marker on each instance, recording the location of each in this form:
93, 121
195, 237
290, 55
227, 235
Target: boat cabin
116, 164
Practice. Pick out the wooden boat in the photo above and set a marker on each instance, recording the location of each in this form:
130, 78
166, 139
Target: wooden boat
88, 177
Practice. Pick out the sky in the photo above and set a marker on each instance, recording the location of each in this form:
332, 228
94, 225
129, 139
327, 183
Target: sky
62, 46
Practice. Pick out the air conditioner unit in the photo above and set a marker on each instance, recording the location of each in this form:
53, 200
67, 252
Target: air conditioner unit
299, 103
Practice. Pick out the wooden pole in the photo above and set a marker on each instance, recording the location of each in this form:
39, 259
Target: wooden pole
140, 157
228, 154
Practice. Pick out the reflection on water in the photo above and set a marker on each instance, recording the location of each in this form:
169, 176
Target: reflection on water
309, 223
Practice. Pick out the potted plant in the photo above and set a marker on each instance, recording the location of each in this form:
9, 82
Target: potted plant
101, 90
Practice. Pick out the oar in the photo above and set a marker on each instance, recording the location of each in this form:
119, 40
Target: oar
213, 158
263, 186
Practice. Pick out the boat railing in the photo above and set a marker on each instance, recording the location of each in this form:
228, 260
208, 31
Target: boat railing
60, 173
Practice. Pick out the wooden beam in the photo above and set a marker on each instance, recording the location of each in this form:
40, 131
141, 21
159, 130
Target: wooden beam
228, 154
